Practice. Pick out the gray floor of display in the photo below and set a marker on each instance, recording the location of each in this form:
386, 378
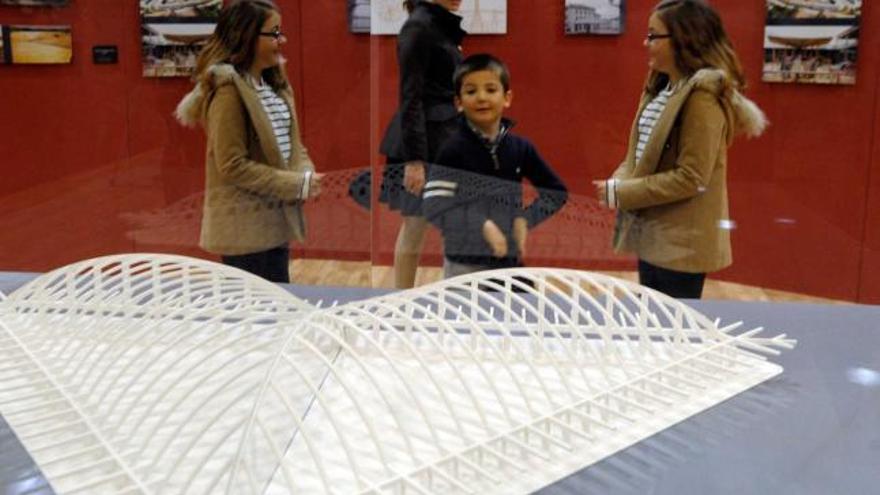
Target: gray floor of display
815, 429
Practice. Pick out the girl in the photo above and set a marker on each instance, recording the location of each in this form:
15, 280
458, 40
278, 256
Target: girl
258, 172
671, 189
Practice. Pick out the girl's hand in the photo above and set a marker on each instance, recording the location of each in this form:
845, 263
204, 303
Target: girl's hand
601, 194
315, 185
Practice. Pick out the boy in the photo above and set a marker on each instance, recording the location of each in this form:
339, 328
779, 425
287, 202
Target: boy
474, 191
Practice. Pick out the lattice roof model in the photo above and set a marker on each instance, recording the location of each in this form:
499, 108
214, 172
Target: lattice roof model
163, 374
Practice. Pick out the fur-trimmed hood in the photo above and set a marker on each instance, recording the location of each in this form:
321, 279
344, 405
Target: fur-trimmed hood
191, 110
749, 119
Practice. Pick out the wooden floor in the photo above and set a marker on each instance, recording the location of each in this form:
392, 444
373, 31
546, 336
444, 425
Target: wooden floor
363, 274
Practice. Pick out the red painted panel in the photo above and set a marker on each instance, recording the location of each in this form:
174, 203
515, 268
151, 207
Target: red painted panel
869, 287
63, 140
94, 163
336, 121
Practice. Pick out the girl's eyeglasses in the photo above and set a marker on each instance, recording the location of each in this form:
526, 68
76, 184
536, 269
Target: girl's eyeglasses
657, 36
277, 34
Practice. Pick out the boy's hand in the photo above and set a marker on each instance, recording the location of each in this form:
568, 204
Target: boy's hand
414, 177
520, 234
495, 239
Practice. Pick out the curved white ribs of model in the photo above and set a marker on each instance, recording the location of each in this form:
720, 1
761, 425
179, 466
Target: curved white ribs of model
164, 374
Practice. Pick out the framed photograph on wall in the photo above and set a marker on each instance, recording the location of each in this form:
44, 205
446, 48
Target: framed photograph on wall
358, 16
36, 3
173, 32
37, 44
480, 16
3, 56
594, 16
811, 41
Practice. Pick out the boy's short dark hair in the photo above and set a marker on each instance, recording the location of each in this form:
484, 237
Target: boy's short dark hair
478, 62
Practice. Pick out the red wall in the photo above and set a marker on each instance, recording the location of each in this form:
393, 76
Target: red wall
93, 162
869, 286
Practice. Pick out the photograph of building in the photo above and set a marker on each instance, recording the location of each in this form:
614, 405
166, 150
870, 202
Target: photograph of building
594, 16
173, 32
811, 41
36, 3
814, 9
181, 8
359, 16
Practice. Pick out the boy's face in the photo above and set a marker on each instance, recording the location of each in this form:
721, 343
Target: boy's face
482, 98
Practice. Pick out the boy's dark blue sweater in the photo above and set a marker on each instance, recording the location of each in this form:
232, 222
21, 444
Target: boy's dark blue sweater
474, 181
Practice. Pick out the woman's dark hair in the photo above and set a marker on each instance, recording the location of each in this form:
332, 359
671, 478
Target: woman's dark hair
235, 41
698, 41
409, 5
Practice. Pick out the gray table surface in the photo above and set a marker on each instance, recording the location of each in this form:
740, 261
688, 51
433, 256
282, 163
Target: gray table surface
815, 429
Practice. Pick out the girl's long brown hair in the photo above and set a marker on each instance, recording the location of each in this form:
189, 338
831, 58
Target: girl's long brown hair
235, 41
698, 41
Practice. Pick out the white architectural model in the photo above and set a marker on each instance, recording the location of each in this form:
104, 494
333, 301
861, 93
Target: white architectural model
164, 374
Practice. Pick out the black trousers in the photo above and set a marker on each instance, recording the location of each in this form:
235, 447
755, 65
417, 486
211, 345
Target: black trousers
271, 264
680, 285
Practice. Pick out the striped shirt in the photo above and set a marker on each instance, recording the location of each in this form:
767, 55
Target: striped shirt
279, 116
648, 119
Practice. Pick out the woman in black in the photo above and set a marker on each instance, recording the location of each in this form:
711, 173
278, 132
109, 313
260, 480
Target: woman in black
428, 50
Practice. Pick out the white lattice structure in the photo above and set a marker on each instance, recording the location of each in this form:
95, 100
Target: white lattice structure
164, 374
